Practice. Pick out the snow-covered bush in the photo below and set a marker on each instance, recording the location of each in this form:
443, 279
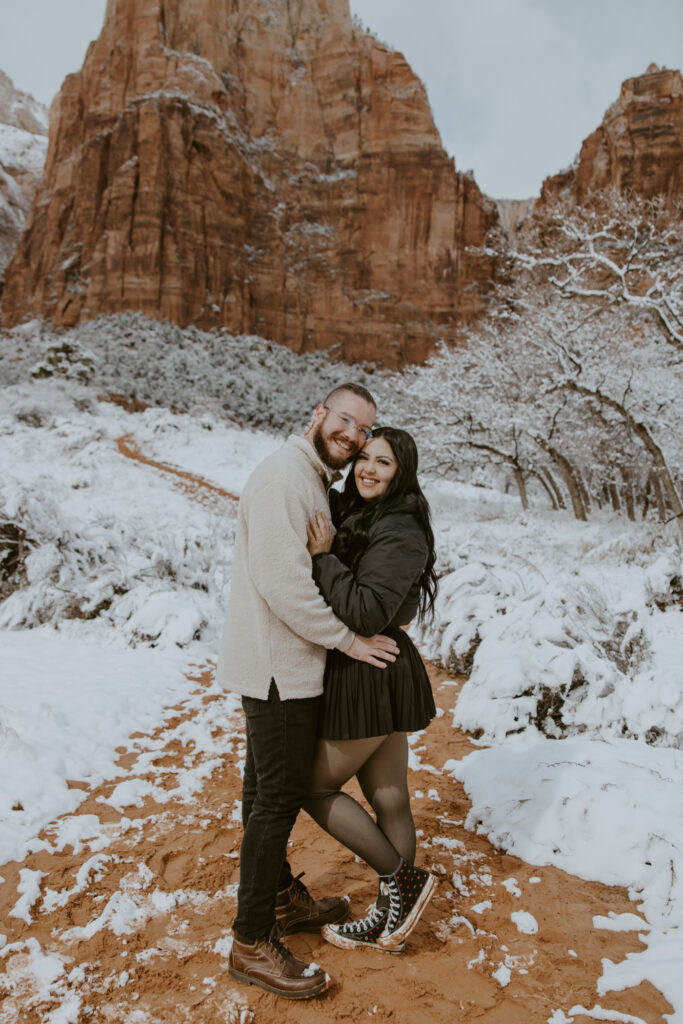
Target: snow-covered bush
569, 638
66, 359
134, 554
246, 378
14, 547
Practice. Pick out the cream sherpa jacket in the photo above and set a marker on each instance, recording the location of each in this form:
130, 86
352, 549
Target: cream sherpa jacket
278, 626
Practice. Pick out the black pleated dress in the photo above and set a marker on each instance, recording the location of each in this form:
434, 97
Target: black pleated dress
375, 590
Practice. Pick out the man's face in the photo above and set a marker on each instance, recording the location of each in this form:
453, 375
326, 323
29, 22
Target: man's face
338, 431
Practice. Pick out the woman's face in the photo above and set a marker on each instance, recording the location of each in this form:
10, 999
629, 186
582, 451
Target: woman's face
374, 468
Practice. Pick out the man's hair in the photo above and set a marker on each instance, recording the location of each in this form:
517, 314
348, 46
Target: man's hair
355, 389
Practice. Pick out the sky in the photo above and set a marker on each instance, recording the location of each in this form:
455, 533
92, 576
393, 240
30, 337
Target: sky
515, 85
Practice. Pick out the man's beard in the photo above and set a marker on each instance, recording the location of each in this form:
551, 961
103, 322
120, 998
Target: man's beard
320, 445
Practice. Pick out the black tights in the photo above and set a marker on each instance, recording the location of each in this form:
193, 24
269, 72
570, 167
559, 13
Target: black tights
381, 765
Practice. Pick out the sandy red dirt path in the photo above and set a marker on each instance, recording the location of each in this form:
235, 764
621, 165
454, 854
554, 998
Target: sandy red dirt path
176, 862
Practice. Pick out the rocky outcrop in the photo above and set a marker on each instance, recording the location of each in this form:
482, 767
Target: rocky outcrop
638, 146
513, 213
19, 109
23, 144
264, 166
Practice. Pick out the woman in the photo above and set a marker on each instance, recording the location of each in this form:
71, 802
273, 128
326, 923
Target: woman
376, 574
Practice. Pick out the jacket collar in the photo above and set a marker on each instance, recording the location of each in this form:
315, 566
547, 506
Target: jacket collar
329, 476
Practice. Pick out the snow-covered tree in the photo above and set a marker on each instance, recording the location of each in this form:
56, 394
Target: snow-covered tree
574, 382
620, 250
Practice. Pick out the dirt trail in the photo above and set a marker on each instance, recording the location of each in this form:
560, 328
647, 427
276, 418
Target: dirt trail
143, 930
194, 486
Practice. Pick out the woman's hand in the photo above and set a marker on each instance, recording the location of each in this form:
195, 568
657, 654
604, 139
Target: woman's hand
319, 534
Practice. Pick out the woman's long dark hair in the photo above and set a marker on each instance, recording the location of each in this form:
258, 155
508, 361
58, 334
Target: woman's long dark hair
403, 491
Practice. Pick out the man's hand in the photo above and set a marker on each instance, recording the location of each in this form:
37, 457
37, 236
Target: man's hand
319, 533
375, 650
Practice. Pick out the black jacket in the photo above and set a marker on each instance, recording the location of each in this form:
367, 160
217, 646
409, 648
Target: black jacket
383, 590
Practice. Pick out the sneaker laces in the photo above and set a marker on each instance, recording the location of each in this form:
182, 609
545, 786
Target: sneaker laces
391, 889
365, 924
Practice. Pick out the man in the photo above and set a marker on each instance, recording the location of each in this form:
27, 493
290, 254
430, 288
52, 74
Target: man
273, 654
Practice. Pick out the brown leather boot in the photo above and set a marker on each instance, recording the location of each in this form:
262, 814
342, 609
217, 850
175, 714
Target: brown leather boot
297, 911
270, 965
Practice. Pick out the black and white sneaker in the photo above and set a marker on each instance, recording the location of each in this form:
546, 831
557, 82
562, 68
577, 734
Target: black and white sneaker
408, 891
362, 933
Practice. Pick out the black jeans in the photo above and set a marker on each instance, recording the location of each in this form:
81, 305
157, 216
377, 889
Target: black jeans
281, 737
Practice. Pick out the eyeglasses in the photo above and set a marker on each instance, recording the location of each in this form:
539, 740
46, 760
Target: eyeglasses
350, 423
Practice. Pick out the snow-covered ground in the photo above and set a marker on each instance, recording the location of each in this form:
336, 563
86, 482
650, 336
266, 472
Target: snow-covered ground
573, 633
66, 703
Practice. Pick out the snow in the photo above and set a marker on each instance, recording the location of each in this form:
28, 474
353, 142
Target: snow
21, 150
526, 923
551, 648
502, 975
223, 945
572, 631
91, 870
42, 975
130, 907
29, 889
598, 1013
221, 453
511, 885
600, 810
66, 703
620, 922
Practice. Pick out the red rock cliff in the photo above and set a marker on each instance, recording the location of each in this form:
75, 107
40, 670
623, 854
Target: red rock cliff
261, 165
638, 146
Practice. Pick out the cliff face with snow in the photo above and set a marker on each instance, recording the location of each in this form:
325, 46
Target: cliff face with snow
267, 167
270, 168
23, 145
638, 147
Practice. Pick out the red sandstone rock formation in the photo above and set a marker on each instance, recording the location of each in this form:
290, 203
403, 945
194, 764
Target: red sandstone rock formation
513, 214
264, 166
638, 146
19, 109
23, 143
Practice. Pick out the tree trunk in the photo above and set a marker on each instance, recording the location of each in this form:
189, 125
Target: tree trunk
521, 487
547, 489
653, 489
584, 491
659, 497
566, 469
553, 489
628, 494
614, 495
641, 431
511, 461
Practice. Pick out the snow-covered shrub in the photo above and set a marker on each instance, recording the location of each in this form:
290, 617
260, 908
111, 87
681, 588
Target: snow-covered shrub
567, 656
246, 378
563, 628
151, 585
14, 547
67, 359
107, 541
